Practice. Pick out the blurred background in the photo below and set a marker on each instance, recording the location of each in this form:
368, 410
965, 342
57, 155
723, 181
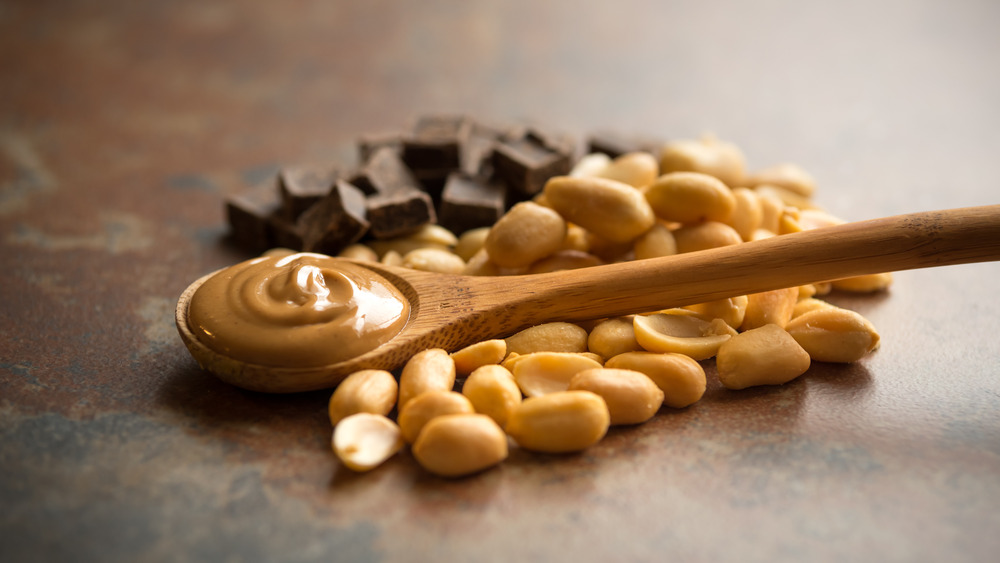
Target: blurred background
123, 124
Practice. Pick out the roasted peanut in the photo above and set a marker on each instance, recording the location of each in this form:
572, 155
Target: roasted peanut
832, 334
767, 355
731, 310
370, 390
428, 405
657, 241
702, 236
429, 370
868, 283
636, 169
455, 445
548, 337
612, 337
577, 238
788, 198
590, 165
681, 378
803, 306
483, 353
770, 212
434, 260
526, 233
429, 236
541, 373
607, 208
690, 197
747, 215
470, 242
493, 392
364, 440
681, 331
631, 396
564, 260
770, 307
568, 421
707, 155
359, 252
392, 258
787, 176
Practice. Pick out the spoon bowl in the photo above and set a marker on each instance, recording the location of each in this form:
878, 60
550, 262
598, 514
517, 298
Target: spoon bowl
452, 311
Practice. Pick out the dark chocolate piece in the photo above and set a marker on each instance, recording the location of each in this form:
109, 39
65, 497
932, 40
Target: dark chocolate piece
284, 233
435, 145
303, 186
400, 212
478, 149
384, 173
248, 213
468, 203
368, 146
335, 221
526, 164
615, 144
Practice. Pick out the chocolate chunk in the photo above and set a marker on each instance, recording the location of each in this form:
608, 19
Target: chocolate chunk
526, 164
615, 144
400, 212
478, 148
303, 186
368, 146
249, 215
284, 233
435, 145
384, 173
335, 221
468, 203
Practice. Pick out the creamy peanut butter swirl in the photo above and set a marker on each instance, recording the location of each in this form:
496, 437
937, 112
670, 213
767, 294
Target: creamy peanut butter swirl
300, 310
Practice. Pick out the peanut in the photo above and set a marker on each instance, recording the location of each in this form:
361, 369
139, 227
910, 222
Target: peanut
770, 307
427, 406
707, 155
607, 208
548, 337
429, 370
455, 445
767, 355
631, 396
434, 260
681, 378
568, 421
493, 392
363, 441
657, 241
526, 233
541, 373
788, 176
690, 197
832, 334
680, 331
476, 355
636, 169
612, 337
370, 390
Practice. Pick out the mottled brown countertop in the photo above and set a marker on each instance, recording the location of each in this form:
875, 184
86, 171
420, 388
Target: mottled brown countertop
124, 124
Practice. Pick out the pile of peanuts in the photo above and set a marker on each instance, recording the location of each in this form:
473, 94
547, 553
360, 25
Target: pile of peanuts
558, 387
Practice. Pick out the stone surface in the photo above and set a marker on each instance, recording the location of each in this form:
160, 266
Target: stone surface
124, 125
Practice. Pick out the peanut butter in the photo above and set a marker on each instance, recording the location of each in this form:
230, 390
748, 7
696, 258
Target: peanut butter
299, 310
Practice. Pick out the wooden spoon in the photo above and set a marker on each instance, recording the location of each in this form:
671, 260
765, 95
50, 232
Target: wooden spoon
449, 311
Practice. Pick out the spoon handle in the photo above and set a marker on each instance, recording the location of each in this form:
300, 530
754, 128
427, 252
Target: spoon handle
902, 242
